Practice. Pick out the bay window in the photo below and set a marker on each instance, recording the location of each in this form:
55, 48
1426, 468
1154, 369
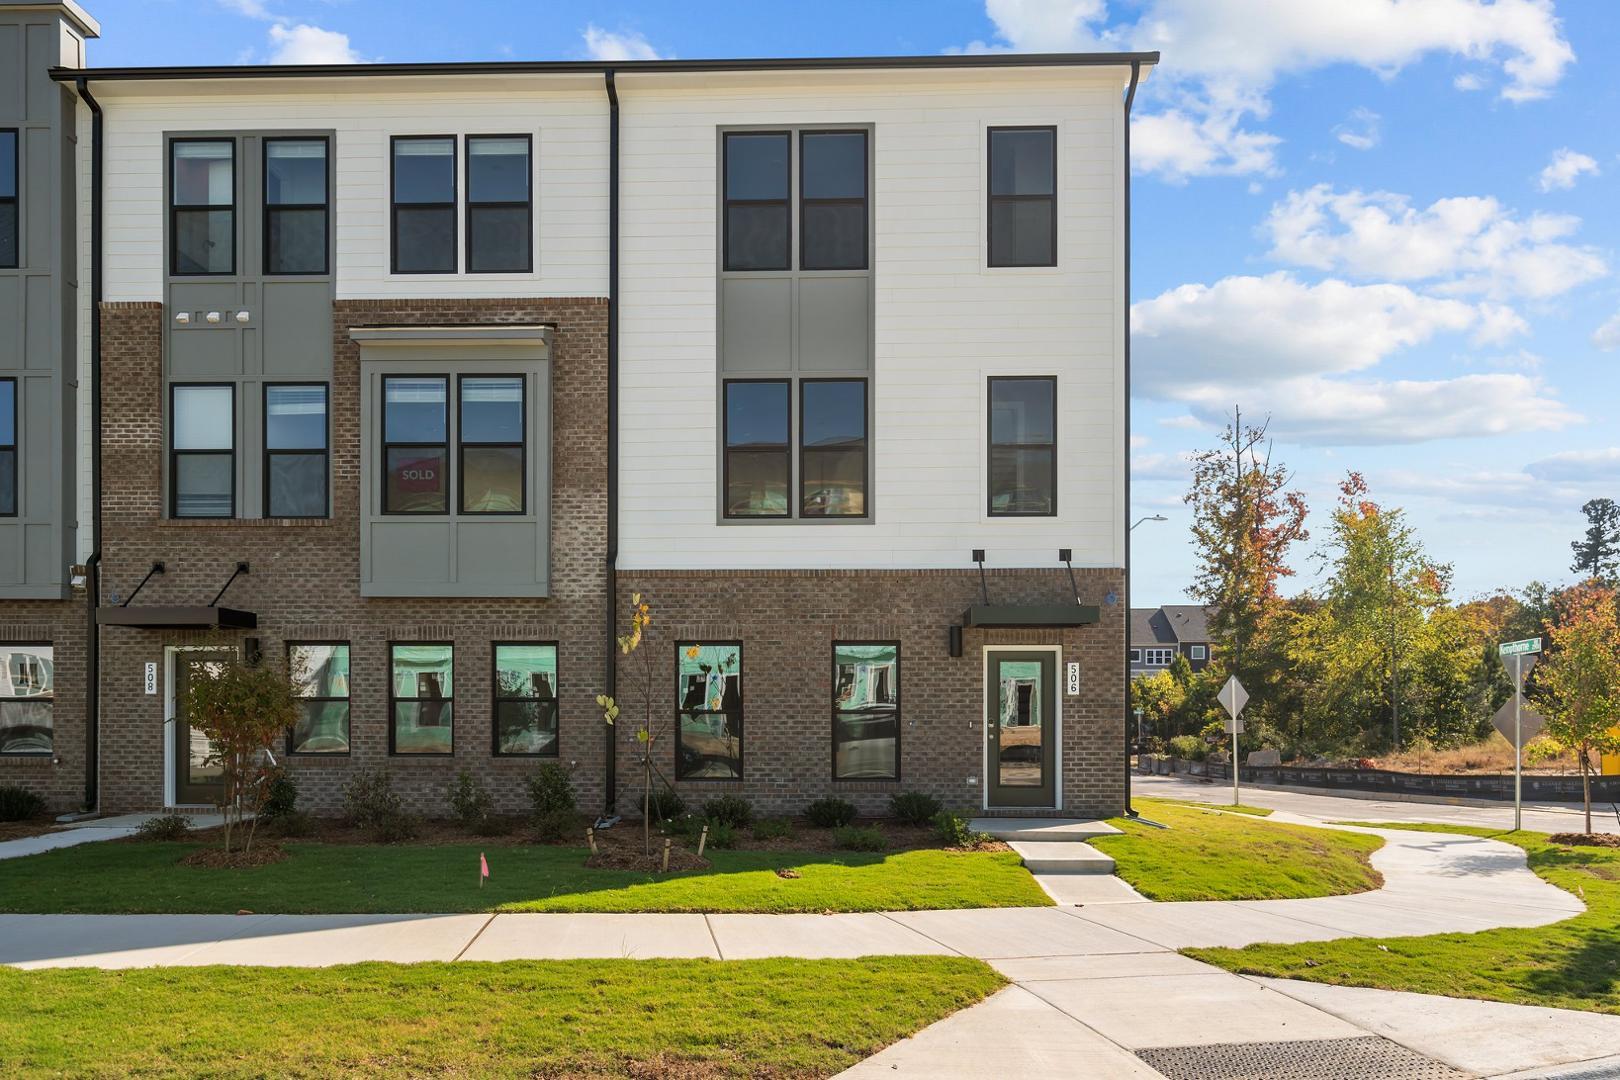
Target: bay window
493, 450
416, 447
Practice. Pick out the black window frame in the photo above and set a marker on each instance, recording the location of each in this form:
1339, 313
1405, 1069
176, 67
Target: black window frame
267, 208
34, 753
347, 699
866, 447
459, 505
394, 204
325, 453
175, 455
726, 202
15, 446
394, 700
991, 445
991, 199
527, 204
496, 699
176, 208
14, 200
735, 721
450, 488
726, 452
837, 712
864, 202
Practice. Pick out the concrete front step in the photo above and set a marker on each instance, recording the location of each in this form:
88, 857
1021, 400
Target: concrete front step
1044, 830
1061, 857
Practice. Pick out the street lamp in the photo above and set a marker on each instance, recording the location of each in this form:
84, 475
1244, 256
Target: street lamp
1153, 517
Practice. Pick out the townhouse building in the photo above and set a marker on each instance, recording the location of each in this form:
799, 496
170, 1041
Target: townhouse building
412, 377
1159, 635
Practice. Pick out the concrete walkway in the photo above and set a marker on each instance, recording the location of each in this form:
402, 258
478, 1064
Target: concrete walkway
89, 831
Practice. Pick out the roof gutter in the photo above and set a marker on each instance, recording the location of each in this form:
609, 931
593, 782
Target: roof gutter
1125, 444
92, 584
610, 747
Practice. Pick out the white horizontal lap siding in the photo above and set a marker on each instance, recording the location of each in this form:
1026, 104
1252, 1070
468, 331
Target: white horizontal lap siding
943, 323
570, 186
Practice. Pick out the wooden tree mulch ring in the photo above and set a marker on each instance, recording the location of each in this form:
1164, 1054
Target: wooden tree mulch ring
220, 859
1574, 839
625, 857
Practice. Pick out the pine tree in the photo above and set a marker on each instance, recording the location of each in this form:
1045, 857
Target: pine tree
1597, 555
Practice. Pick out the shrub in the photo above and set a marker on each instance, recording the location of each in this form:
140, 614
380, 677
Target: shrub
19, 804
292, 823
1188, 748
721, 834
913, 807
393, 828
860, 838
242, 709
830, 813
773, 829
369, 798
731, 809
665, 805
282, 797
551, 791
471, 802
953, 828
556, 824
164, 827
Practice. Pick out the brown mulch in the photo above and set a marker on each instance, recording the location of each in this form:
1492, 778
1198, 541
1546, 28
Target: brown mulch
630, 857
219, 859
1572, 839
21, 830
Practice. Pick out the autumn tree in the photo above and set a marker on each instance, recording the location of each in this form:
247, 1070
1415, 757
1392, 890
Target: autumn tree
1577, 688
242, 709
1597, 554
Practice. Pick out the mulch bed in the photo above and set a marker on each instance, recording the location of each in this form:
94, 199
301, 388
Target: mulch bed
628, 857
21, 830
1573, 839
216, 858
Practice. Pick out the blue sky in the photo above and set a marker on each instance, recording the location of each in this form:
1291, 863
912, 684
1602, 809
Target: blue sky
1378, 223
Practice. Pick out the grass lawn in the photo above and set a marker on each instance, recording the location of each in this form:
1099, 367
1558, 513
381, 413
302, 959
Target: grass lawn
1574, 964
1208, 856
596, 1018
1252, 811
343, 878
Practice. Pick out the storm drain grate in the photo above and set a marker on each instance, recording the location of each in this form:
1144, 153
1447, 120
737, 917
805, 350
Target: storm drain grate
1364, 1058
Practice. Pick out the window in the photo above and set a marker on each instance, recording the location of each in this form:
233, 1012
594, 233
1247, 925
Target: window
526, 699
832, 200
1023, 196
1136, 656
832, 447
708, 711
500, 225
10, 175
420, 697
1160, 657
295, 450
866, 711
492, 444
756, 197
424, 211
27, 689
8, 447
295, 206
1198, 652
320, 677
758, 457
416, 448
202, 450
1023, 447
202, 216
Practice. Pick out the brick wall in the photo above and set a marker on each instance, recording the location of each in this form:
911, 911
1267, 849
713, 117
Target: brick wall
59, 778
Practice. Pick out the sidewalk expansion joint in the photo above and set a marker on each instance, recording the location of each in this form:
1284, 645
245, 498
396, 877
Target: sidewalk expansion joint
474, 939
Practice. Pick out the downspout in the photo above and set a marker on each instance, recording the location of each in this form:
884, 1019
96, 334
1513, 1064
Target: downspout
610, 732
92, 565
1125, 448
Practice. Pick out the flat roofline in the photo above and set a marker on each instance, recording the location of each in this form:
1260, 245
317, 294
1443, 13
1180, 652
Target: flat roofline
626, 67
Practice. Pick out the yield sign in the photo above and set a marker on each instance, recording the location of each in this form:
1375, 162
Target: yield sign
1530, 723
1232, 698
1522, 665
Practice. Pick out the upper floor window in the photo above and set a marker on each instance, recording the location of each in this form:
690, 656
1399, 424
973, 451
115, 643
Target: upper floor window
1023, 196
757, 194
832, 207
1160, 657
8, 447
320, 677
526, 699
1023, 446
424, 204
9, 217
832, 447
500, 222
1136, 656
1198, 652
493, 445
202, 206
295, 450
416, 445
866, 711
27, 691
421, 698
708, 711
202, 450
296, 220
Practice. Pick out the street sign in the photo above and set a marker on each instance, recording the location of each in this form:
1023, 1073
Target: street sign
1232, 698
1530, 723
1517, 722
1514, 648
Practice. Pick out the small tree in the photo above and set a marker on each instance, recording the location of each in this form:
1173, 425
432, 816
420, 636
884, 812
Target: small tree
1597, 554
1578, 688
648, 734
242, 710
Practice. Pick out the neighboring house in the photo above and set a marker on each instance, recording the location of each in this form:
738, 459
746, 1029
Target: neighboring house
411, 376
1159, 635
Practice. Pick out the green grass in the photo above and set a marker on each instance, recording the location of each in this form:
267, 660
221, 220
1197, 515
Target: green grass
1252, 811
1574, 964
641, 1018
341, 878
1208, 856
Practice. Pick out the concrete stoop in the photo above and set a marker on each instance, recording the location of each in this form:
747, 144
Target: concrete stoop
1043, 830
1054, 857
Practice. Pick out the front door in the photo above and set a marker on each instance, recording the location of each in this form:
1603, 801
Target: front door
197, 774
1021, 726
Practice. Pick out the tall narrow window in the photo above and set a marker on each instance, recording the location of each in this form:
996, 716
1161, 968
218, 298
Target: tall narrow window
758, 448
492, 444
202, 217
295, 450
295, 206
866, 711
27, 692
500, 225
320, 677
832, 455
709, 711
832, 206
10, 175
1023, 196
421, 697
416, 447
424, 196
757, 197
526, 699
202, 450
1023, 446
8, 447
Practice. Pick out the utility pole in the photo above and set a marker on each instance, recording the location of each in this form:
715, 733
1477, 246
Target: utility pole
1394, 661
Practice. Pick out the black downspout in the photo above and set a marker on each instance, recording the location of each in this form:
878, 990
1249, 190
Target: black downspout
92, 565
610, 735
1125, 653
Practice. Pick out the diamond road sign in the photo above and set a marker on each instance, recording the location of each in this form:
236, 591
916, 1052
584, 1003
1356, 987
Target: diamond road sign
1530, 723
1233, 697
1511, 648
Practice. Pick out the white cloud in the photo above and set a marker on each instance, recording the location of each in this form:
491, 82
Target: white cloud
1183, 423
625, 45
253, 9
305, 44
1468, 82
1566, 167
1466, 245
1360, 130
1579, 466
1160, 467
1607, 336
1139, 441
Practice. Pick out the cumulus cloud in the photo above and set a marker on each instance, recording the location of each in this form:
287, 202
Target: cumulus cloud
1360, 130
1607, 336
305, 44
1566, 167
623, 45
1173, 467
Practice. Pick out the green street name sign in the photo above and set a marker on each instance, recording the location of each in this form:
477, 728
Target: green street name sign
1513, 648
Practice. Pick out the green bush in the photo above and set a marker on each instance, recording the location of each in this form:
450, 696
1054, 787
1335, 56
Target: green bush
471, 802
558, 824
369, 799
860, 838
551, 791
665, 805
830, 813
721, 834
731, 809
164, 827
291, 824
953, 828
1188, 748
913, 807
19, 804
282, 798
393, 828
773, 829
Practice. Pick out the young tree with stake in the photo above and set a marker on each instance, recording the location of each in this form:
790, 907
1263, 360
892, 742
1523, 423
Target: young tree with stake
1578, 687
241, 710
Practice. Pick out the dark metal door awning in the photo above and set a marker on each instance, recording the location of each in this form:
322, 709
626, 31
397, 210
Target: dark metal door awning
179, 616
1029, 616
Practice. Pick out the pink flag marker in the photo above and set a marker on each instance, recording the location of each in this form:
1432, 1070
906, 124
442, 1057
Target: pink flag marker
483, 869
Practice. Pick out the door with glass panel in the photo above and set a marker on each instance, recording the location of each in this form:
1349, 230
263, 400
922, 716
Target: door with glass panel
198, 777
1021, 729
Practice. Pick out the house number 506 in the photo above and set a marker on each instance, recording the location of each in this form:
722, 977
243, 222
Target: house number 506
1071, 682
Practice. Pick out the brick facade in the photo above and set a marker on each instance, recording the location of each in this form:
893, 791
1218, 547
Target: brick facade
58, 778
